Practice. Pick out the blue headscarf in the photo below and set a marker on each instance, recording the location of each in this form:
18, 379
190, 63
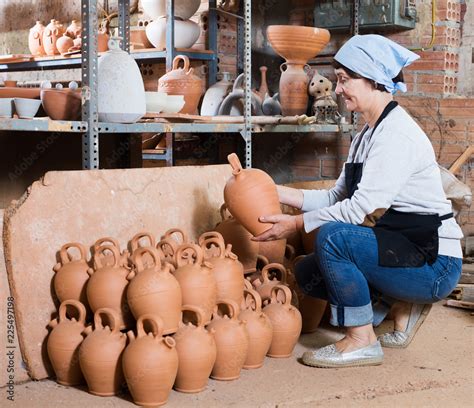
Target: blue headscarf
378, 58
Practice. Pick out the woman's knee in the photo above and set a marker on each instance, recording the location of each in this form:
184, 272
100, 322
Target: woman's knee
327, 232
307, 274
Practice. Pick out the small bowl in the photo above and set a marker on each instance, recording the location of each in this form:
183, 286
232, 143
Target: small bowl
155, 101
26, 108
62, 104
10, 83
174, 103
6, 107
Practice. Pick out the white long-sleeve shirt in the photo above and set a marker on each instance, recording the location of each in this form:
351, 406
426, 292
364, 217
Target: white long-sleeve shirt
399, 172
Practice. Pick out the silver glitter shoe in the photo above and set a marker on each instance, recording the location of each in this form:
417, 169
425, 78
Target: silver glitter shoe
401, 339
329, 357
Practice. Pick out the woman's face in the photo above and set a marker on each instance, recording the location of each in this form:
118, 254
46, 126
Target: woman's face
355, 92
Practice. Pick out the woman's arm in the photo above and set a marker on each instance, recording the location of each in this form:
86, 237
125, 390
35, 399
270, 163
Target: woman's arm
290, 196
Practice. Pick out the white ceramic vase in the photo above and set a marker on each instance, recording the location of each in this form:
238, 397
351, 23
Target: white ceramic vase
184, 9
186, 33
121, 89
215, 95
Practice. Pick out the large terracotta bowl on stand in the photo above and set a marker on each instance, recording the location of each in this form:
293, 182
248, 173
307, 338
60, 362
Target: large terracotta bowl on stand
297, 44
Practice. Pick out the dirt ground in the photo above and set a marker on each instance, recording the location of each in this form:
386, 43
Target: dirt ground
436, 370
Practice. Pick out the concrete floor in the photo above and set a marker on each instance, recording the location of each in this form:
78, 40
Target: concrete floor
436, 370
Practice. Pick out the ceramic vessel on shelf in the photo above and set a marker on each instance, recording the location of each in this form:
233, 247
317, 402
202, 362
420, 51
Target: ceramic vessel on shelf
263, 91
297, 44
183, 9
215, 94
186, 33
121, 89
139, 39
64, 43
62, 104
232, 103
26, 108
74, 29
51, 33
174, 103
64, 341
35, 40
150, 362
250, 194
182, 81
6, 107
155, 101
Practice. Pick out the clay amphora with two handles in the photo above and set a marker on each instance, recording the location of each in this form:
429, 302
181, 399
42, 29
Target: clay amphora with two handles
196, 278
70, 281
154, 290
259, 329
197, 352
35, 40
235, 234
150, 362
286, 322
64, 342
231, 339
140, 240
294, 95
107, 286
228, 271
100, 354
250, 194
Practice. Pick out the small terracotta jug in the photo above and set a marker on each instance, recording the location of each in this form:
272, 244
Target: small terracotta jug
70, 281
50, 35
74, 29
250, 194
107, 286
265, 285
35, 40
196, 278
240, 239
63, 344
294, 89
167, 248
231, 339
286, 322
259, 329
150, 363
228, 271
100, 354
154, 290
143, 239
182, 81
64, 43
197, 352
108, 258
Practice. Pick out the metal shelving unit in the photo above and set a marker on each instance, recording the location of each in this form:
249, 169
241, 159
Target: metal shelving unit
92, 128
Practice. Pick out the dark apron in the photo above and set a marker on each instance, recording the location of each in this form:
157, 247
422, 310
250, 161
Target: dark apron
403, 239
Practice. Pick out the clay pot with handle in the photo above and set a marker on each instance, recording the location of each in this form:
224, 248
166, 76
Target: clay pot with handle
250, 194
169, 243
197, 352
35, 40
154, 290
108, 258
182, 81
293, 91
286, 322
259, 329
100, 354
51, 33
63, 344
240, 239
107, 286
177, 235
228, 271
231, 339
140, 240
150, 362
264, 285
70, 281
196, 278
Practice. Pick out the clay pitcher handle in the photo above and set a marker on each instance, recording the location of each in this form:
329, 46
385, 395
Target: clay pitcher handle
179, 58
137, 258
111, 314
247, 284
196, 249
285, 290
164, 243
170, 232
156, 323
208, 238
98, 256
198, 312
77, 305
278, 267
233, 307
64, 255
234, 161
210, 234
290, 252
225, 214
105, 240
284, 65
256, 297
135, 242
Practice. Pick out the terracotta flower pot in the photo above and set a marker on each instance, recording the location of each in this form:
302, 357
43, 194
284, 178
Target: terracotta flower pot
62, 104
250, 194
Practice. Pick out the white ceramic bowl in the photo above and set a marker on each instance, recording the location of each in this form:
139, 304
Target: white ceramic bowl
155, 101
174, 103
6, 107
184, 9
186, 33
27, 108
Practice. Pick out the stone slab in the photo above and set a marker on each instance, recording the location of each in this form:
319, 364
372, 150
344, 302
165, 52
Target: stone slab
83, 206
10, 369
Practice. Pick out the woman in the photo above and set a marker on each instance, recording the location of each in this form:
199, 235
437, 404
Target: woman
386, 229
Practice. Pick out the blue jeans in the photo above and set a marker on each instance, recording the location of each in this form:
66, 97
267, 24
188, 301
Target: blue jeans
344, 270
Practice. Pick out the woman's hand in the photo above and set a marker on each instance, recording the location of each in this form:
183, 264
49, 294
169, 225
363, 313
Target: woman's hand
283, 226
